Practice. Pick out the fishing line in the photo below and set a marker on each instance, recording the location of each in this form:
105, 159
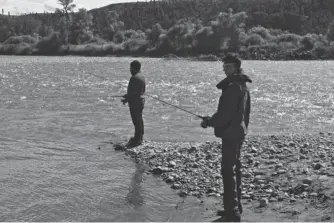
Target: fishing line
151, 96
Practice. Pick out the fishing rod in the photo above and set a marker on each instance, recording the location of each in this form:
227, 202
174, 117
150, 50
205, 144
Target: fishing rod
72, 96
151, 96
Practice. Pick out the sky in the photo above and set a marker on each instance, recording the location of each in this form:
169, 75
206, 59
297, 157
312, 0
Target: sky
26, 6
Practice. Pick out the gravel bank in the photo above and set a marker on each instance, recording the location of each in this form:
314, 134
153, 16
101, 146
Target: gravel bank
277, 168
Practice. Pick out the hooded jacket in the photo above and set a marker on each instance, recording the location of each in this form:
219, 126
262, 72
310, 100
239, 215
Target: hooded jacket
232, 117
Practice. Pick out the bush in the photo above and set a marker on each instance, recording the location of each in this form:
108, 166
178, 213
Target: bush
288, 37
135, 45
255, 39
86, 50
21, 39
49, 45
320, 50
263, 32
307, 42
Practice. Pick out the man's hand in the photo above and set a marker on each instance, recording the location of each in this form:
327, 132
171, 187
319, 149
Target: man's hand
204, 123
125, 99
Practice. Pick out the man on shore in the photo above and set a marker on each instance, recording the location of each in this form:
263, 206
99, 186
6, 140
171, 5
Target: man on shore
230, 123
136, 100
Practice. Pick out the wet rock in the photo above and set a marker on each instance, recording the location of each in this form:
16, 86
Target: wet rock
307, 181
157, 171
326, 218
183, 193
170, 179
176, 186
119, 147
263, 202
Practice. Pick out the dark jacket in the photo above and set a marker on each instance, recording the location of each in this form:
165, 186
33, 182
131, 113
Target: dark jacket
232, 117
136, 90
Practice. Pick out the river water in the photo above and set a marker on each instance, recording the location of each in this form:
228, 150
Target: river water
55, 113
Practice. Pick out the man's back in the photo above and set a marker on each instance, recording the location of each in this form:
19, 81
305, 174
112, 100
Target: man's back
136, 88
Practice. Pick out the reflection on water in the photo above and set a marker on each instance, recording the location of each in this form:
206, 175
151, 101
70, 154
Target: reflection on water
134, 197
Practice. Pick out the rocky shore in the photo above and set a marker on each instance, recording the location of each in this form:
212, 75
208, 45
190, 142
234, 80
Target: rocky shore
277, 168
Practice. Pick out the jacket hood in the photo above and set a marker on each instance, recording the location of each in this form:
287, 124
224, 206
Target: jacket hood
232, 79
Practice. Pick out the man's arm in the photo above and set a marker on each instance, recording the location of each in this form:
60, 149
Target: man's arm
227, 109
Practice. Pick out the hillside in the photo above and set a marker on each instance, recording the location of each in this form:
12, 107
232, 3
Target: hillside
297, 16
255, 29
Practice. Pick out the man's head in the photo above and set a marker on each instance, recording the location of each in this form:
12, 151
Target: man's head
135, 67
232, 64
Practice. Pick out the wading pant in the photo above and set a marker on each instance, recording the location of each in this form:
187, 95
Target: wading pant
231, 173
136, 111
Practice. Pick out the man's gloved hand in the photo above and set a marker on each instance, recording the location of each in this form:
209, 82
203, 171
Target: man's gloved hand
204, 123
125, 99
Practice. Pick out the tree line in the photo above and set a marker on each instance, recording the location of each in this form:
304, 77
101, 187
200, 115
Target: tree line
256, 29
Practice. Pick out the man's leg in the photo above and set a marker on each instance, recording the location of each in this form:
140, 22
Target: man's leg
137, 120
229, 160
238, 174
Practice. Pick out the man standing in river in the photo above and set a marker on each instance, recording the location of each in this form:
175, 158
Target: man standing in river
230, 123
136, 100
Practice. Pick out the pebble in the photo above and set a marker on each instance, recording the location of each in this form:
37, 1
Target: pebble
263, 202
158, 170
272, 200
281, 171
292, 200
259, 172
313, 194
307, 181
170, 179
171, 164
318, 166
254, 150
176, 186
269, 191
247, 175
183, 193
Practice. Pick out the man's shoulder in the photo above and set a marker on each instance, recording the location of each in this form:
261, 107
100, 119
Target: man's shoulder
139, 77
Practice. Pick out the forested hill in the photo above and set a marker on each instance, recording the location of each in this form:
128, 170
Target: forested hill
255, 29
296, 16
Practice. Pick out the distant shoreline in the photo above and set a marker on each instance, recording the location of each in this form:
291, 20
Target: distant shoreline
207, 58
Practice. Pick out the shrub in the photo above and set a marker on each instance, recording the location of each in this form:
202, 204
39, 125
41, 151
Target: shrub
254, 39
21, 39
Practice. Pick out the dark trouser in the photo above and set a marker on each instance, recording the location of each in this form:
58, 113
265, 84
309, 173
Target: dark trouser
231, 173
136, 111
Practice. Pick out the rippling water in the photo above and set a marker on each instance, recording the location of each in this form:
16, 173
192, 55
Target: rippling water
54, 114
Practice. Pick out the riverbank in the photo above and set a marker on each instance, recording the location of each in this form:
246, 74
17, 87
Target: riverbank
285, 178
89, 51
